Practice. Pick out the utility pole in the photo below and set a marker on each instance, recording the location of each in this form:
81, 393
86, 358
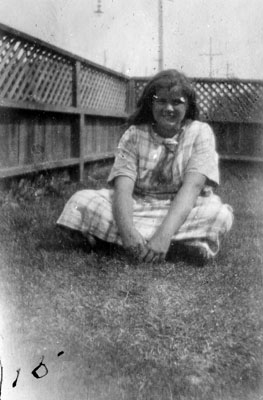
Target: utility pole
211, 55
160, 34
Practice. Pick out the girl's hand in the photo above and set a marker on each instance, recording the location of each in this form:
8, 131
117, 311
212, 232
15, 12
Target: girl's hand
180, 208
156, 249
135, 244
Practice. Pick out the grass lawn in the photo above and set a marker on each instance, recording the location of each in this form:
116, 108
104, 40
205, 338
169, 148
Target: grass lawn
129, 331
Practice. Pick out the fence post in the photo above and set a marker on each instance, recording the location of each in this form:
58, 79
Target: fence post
81, 118
130, 96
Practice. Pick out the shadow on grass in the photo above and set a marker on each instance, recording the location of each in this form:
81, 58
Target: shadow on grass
57, 238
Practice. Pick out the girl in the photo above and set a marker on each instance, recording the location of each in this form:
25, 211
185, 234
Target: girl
161, 183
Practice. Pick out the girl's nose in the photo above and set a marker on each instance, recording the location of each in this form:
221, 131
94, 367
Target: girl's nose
169, 106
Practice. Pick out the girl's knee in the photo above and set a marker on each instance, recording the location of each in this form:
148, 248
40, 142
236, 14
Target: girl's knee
227, 217
221, 216
83, 195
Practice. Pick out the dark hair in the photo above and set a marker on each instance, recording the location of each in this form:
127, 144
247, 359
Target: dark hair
164, 79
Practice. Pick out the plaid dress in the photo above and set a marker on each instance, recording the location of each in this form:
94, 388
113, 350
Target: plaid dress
157, 166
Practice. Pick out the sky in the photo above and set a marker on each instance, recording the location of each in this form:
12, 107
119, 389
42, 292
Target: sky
125, 37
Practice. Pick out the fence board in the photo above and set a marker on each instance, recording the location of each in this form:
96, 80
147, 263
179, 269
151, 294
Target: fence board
38, 148
9, 144
4, 162
23, 141
48, 142
243, 140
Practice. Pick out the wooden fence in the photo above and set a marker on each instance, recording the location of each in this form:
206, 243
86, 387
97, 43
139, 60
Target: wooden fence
58, 110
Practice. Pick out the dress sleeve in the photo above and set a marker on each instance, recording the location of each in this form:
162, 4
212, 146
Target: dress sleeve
125, 163
204, 158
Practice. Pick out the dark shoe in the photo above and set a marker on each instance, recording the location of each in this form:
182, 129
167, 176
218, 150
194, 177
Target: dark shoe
197, 252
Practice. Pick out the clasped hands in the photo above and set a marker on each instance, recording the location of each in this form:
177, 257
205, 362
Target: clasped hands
154, 250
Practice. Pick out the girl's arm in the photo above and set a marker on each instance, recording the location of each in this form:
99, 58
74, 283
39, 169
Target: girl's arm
180, 208
123, 214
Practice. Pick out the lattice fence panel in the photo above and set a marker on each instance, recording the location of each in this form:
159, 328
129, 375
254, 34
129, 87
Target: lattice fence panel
102, 91
230, 101
225, 100
31, 72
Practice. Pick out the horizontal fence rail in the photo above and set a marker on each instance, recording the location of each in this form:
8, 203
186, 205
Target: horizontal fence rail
59, 110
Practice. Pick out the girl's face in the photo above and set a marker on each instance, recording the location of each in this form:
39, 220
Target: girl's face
169, 109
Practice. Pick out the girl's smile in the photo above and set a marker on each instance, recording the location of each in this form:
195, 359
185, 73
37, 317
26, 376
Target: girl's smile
169, 109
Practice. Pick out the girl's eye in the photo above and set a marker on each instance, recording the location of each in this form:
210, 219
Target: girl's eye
161, 101
174, 102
